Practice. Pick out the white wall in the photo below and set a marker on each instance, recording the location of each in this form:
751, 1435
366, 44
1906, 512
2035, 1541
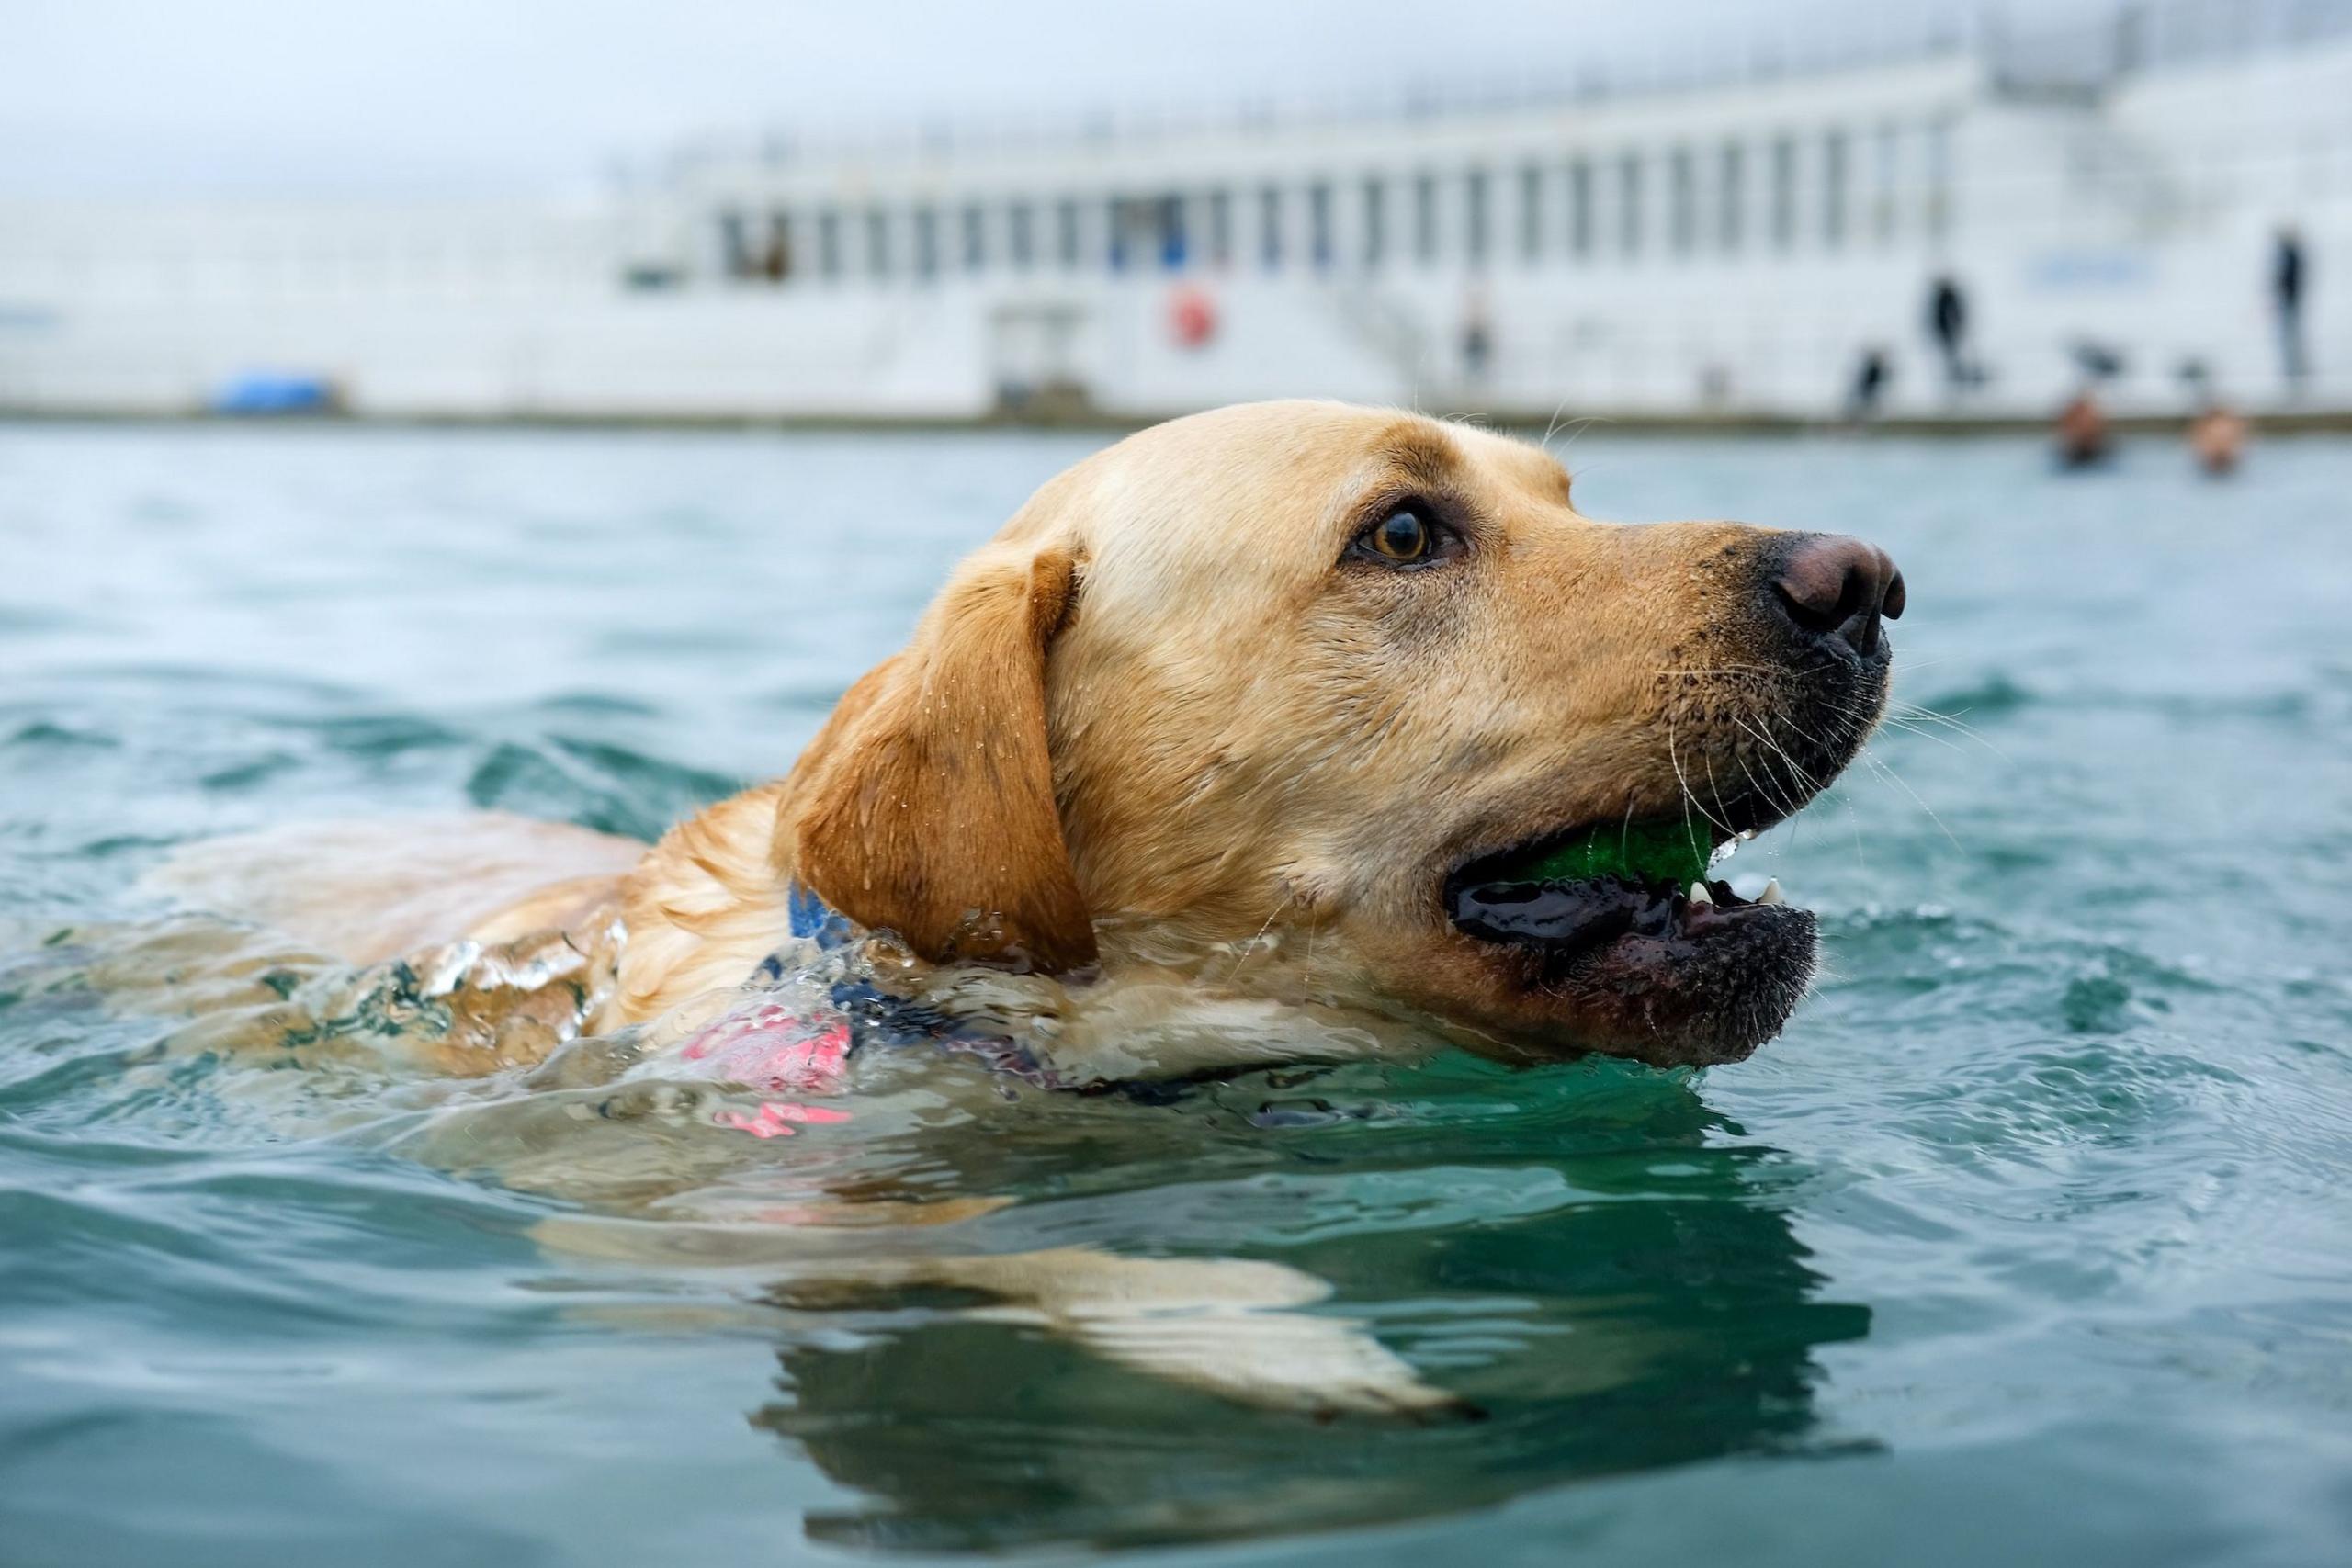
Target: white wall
2142, 220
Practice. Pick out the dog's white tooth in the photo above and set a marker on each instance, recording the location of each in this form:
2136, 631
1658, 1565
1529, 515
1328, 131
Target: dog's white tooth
1699, 894
1745, 834
1771, 894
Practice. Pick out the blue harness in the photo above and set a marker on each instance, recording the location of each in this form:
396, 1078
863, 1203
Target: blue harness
810, 919
877, 1017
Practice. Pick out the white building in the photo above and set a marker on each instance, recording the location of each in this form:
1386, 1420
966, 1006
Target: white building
1730, 248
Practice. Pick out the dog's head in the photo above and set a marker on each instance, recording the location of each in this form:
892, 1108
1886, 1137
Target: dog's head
1363, 685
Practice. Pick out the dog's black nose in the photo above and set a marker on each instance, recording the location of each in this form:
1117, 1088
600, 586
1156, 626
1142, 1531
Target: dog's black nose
1834, 589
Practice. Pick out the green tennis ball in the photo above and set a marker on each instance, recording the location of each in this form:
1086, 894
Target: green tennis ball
1673, 852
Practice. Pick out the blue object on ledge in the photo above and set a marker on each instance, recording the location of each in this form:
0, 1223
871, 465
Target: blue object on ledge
274, 391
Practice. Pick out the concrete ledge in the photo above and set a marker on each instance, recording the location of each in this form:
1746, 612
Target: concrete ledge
2280, 422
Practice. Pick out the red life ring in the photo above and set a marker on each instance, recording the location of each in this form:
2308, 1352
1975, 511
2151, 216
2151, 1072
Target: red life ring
1192, 318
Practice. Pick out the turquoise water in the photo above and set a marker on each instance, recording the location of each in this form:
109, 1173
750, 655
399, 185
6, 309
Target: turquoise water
2031, 1242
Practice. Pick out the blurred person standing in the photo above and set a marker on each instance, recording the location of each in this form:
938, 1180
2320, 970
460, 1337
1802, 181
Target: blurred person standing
1872, 374
2287, 279
1948, 324
1477, 339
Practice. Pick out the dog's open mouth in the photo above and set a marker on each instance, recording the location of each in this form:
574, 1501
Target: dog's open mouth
1569, 893
1663, 961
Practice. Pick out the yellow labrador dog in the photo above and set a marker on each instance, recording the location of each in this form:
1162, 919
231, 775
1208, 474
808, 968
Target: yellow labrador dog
1286, 730
1280, 702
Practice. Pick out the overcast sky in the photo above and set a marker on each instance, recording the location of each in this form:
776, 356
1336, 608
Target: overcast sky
122, 95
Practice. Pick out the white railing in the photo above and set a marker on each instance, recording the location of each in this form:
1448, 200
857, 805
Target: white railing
2028, 55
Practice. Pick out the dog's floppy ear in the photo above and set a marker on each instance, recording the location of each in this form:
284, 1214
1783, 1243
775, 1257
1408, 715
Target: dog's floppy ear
926, 803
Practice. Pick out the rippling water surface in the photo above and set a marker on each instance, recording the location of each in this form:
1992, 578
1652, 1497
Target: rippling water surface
2027, 1244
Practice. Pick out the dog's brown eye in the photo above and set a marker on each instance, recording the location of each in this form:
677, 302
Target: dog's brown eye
1409, 537
1402, 537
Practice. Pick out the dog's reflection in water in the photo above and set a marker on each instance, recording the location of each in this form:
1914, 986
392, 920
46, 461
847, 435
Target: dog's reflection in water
1655, 1313
1639, 1330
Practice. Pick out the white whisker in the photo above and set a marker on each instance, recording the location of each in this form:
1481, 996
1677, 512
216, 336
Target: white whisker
1683, 779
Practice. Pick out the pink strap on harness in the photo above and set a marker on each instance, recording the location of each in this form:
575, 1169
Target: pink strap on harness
776, 1049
